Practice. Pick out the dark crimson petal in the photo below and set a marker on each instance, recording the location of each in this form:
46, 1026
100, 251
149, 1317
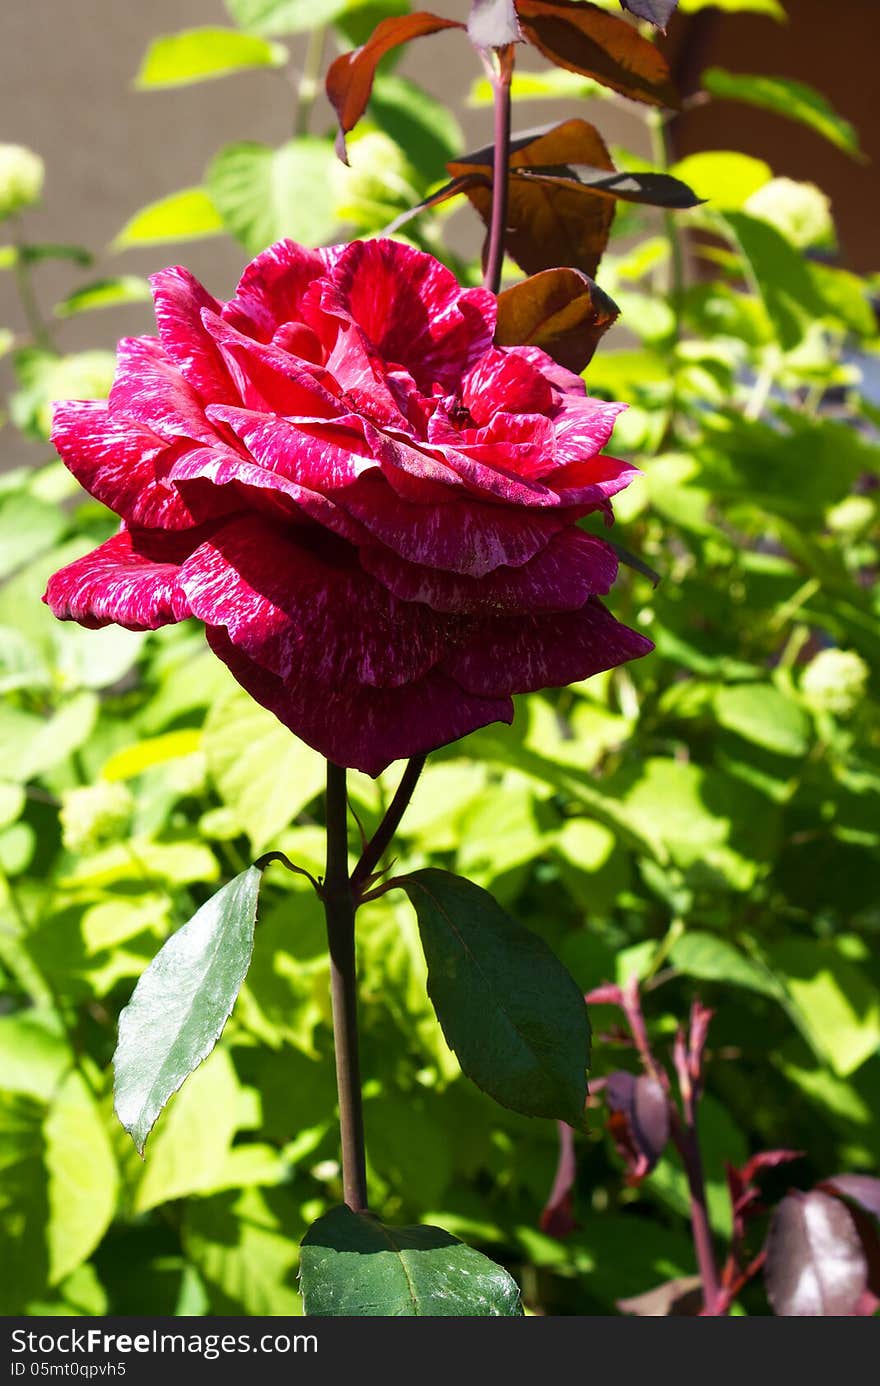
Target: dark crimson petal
522, 445
573, 567
268, 377
179, 299
411, 309
321, 458
366, 728
463, 536
505, 379
114, 458
219, 469
310, 612
270, 292
148, 387
523, 655
560, 377
132, 580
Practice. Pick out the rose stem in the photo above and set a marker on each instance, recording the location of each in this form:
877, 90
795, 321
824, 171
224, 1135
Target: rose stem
309, 81
339, 911
381, 839
501, 78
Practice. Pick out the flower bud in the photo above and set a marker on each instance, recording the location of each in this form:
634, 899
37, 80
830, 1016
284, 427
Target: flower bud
834, 681
94, 815
21, 178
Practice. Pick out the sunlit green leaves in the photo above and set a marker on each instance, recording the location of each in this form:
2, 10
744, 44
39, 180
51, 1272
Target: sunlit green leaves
83, 1179
762, 714
264, 773
837, 1006
786, 97
182, 216
510, 1012
104, 293
182, 1002
263, 194
779, 274
196, 55
354, 1265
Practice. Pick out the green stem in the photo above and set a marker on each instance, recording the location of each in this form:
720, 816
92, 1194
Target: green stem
27, 297
501, 77
381, 839
310, 80
339, 912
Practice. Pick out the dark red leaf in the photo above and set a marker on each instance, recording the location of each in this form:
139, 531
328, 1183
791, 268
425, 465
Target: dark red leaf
493, 24
638, 1122
767, 1159
549, 225
560, 310
350, 78
816, 1264
656, 12
557, 1218
605, 995
585, 39
683, 1296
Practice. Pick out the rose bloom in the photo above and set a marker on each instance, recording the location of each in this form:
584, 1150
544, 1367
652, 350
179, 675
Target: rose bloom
371, 508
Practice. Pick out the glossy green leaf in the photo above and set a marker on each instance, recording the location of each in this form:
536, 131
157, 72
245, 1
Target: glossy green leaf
264, 194
182, 1002
509, 1011
785, 97
353, 1265
104, 293
713, 959
195, 55
837, 1004
187, 215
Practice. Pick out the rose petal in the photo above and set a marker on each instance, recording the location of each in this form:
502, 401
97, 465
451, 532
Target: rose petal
132, 580
504, 379
149, 387
309, 611
573, 567
362, 727
523, 655
268, 377
179, 299
271, 290
114, 458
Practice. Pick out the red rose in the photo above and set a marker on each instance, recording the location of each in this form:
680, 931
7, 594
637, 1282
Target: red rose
371, 508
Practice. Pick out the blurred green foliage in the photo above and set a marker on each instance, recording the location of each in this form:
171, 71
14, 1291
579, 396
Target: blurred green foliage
707, 819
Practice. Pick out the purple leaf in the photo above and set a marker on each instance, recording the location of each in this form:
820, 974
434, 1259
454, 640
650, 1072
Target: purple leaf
656, 12
557, 1219
639, 1121
816, 1264
493, 24
860, 1188
683, 1296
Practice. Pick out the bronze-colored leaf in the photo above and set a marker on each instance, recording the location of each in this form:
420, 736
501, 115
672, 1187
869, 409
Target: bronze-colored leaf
680, 1297
560, 310
653, 189
350, 78
548, 224
656, 12
585, 39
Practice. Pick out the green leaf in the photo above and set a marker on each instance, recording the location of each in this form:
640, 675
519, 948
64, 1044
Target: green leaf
353, 1265
187, 215
264, 773
837, 1005
264, 194
34, 1055
27, 528
713, 959
182, 1002
83, 1177
510, 1012
785, 97
423, 127
244, 1248
759, 713
196, 55
723, 177
780, 274
145, 755
287, 16
104, 293
553, 84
